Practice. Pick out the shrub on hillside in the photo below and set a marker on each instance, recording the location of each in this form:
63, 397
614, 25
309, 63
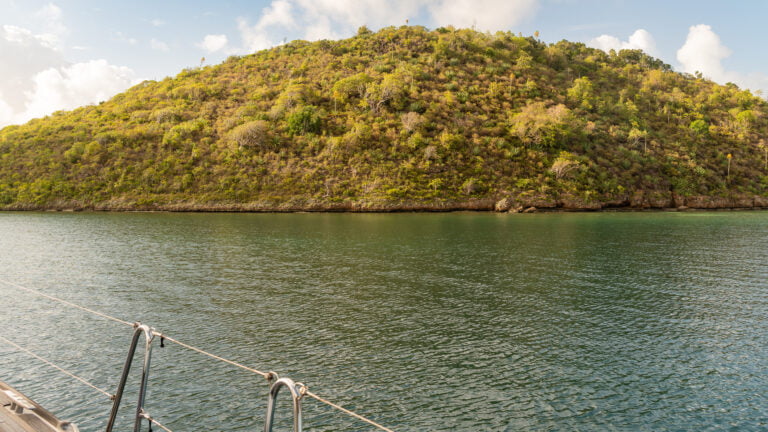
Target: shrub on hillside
254, 134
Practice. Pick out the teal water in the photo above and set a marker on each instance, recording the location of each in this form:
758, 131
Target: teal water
608, 321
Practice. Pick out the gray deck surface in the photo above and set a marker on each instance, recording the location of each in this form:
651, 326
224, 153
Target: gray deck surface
20, 414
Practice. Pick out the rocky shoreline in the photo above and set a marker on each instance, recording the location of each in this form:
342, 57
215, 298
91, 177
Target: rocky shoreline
511, 204
637, 202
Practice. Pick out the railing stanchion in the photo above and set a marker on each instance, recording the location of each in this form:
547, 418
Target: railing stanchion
296, 395
149, 336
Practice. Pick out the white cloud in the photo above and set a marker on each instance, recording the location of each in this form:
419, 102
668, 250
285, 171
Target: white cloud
704, 52
333, 19
76, 85
123, 38
754, 81
482, 14
6, 112
51, 17
51, 14
348, 15
254, 38
258, 37
25, 55
157, 22
213, 43
321, 29
277, 13
35, 80
640, 39
158, 45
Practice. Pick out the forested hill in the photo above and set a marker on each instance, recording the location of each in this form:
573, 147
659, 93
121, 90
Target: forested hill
404, 118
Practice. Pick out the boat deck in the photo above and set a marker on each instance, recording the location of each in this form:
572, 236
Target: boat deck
20, 414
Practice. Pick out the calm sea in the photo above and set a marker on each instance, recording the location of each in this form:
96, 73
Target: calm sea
465, 321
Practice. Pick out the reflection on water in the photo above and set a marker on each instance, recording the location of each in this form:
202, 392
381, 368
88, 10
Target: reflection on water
423, 321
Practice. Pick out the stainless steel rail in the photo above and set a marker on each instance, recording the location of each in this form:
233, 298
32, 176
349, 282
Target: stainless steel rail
149, 336
297, 390
296, 395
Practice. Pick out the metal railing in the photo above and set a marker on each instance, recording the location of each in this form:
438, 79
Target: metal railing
297, 390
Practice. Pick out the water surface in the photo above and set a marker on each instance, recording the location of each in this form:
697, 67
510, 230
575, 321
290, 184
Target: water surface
609, 321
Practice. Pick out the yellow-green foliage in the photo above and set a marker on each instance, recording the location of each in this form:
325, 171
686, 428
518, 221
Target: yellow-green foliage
564, 165
251, 134
403, 114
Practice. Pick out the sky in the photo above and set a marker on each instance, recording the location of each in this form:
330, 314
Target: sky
62, 54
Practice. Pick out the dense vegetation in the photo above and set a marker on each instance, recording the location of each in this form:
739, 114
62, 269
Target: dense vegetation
397, 119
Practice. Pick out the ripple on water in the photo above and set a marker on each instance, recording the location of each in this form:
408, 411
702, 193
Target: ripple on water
424, 322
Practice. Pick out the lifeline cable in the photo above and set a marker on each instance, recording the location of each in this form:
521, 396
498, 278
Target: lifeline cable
82, 380
166, 337
152, 421
348, 412
50, 297
213, 356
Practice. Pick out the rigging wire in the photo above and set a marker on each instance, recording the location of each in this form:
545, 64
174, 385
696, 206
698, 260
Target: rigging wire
160, 425
50, 297
168, 338
346, 411
82, 380
214, 356
152, 420
61, 369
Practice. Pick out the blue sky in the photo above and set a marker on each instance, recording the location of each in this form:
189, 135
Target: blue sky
66, 53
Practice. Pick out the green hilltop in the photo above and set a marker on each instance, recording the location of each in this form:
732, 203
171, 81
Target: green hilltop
401, 119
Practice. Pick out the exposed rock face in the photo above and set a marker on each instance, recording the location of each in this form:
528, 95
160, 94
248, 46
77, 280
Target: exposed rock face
571, 203
647, 200
641, 200
504, 204
743, 202
539, 202
707, 202
760, 202
661, 201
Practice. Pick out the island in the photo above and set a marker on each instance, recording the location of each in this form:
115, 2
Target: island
403, 119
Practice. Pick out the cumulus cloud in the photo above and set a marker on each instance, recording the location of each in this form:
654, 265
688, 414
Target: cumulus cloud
6, 112
76, 85
348, 15
258, 36
482, 14
35, 80
158, 45
51, 17
334, 19
25, 56
640, 39
704, 52
277, 13
213, 43
321, 29
254, 37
